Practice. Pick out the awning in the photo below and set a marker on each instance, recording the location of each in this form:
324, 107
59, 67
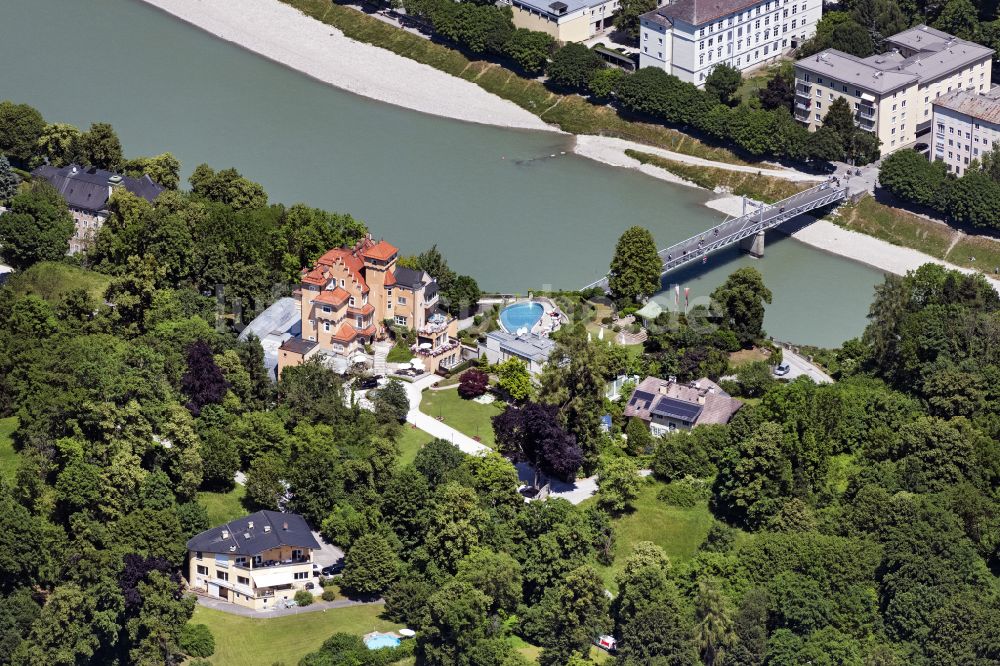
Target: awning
868, 97
650, 310
272, 578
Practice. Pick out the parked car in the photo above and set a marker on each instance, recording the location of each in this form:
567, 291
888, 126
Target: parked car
310, 585
782, 369
607, 643
316, 572
334, 569
366, 383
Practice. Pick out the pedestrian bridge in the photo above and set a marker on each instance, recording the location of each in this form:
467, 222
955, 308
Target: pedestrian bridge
747, 230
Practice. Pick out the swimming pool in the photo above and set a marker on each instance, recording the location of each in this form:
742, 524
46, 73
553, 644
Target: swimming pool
381, 641
521, 315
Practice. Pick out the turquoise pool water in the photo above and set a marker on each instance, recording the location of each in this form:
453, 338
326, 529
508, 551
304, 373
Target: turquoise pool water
520, 315
381, 641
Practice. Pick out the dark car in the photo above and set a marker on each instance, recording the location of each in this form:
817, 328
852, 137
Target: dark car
334, 569
368, 382
310, 586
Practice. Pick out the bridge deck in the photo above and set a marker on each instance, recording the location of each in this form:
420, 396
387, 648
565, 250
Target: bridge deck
733, 231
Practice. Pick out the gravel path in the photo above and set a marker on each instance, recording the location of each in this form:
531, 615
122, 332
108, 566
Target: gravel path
282, 33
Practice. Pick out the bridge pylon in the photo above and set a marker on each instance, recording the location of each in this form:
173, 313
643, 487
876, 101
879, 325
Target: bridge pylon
753, 245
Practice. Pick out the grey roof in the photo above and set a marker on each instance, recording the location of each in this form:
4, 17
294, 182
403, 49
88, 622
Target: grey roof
431, 290
90, 189
984, 107
408, 277
271, 529
278, 318
529, 346
556, 7
920, 54
696, 12
697, 402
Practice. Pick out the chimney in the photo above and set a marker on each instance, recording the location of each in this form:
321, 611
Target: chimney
250, 524
701, 400
284, 525
225, 534
267, 528
114, 180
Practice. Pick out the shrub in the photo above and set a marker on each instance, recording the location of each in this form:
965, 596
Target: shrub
473, 383
329, 594
303, 598
197, 640
686, 493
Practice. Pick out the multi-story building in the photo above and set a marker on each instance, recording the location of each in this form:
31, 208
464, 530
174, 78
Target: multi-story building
87, 192
892, 93
966, 125
687, 38
349, 295
565, 20
255, 561
667, 405
530, 348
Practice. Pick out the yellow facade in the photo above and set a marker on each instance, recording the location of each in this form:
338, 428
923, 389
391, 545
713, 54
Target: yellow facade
575, 29
250, 581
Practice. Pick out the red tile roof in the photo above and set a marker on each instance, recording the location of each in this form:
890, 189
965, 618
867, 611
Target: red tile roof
365, 309
345, 333
381, 250
336, 296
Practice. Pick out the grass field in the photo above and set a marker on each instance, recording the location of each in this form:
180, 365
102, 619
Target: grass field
465, 416
8, 456
410, 441
678, 531
243, 641
571, 113
223, 507
762, 188
985, 250
51, 280
898, 227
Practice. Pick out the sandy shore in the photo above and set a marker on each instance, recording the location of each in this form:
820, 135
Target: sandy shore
283, 34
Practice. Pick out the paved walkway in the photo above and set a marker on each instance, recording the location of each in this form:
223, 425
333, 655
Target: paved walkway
799, 366
318, 605
436, 428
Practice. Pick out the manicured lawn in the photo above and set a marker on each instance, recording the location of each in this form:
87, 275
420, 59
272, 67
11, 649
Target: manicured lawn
400, 353
8, 456
243, 641
465, 416
410, 442
744, 356
678, 531
223, 507
51, 280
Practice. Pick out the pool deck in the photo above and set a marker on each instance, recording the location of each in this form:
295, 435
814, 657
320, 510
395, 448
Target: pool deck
545, 324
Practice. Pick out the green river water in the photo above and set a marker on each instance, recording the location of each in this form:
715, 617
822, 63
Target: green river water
493, 200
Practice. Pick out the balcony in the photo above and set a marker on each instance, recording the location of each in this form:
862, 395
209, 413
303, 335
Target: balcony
433, 352
273, 564
803, 89
866, 114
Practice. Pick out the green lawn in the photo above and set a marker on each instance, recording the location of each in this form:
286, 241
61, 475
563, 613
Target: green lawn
223, 507
243, 641
410, 441
400, 353
678, 531
51, 280
8, 456
466, 416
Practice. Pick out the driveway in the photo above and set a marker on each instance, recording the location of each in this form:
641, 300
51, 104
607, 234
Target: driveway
431, 425
327, 553
799, 366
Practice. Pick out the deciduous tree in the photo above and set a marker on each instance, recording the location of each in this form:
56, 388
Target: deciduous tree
636, 266
371, 566
37, 227
573, 65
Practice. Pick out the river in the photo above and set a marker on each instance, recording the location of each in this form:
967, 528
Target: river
506, 206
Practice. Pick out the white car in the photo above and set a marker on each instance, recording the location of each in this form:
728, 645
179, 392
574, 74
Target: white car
782, 369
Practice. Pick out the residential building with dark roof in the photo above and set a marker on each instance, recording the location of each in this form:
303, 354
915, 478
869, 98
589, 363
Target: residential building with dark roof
564, 20
892, 93
667, 405
688, 38
87, 192
346, 297
966, 125
256, 561
530, 348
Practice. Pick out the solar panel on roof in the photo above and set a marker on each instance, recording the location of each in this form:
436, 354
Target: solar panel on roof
678, 409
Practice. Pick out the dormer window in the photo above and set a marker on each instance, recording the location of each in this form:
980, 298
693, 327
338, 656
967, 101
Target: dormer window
350, 301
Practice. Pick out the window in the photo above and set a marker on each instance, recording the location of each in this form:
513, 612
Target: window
818, 118
819, 105
202, 570
350, 301
951, 130
326, 327
819, 80
400, 320
198, 555
222, 575
301, 575
831, 97
326, 308
242, 580
241, 560
401, 300
701, 60
341, 282
701, 45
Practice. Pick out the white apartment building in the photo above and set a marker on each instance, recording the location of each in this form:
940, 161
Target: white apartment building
966, 125
687, 38
892, 93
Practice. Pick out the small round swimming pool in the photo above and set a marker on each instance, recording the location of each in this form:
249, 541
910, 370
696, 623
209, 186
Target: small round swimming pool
381, 641
521, 315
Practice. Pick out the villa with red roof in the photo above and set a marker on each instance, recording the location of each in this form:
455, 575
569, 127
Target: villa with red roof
349, 295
